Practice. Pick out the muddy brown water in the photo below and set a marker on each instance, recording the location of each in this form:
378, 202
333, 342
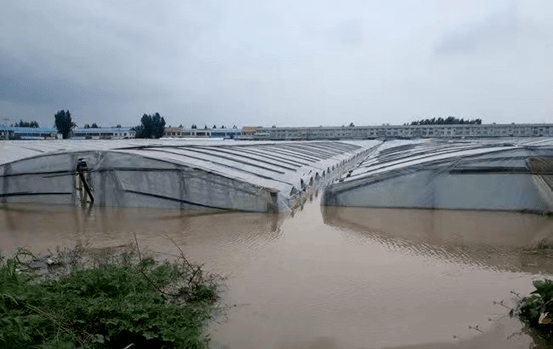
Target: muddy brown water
330, 277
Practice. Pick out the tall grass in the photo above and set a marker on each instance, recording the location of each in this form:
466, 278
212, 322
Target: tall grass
107, 300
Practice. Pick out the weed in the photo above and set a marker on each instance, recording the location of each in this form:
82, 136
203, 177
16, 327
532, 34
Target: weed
104, 300
536, 310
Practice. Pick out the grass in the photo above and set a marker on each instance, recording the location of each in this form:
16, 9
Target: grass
104, 300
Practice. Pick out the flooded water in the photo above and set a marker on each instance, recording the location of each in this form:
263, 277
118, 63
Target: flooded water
330, 277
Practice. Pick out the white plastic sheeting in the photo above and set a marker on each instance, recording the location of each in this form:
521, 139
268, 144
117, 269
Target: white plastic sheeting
477, 174
242, 176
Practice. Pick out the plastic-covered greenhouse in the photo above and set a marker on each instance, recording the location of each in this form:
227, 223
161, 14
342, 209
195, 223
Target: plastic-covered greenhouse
503, 174
204, 175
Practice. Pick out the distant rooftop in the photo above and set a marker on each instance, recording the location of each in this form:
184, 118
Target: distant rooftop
28, 129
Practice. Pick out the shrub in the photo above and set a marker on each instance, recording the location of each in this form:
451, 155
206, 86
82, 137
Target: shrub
536, 310
107, 300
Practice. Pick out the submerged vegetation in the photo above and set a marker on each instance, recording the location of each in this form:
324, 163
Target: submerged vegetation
104, 299
543, 248
536, 311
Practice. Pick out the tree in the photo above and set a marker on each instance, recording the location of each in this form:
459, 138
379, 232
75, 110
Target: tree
86, 126
450, 120
152, 126
22, 123
64, 123
94, 125
194, 126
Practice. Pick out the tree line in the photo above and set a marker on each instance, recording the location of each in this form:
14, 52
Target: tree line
451, 120
151, 126
22, 123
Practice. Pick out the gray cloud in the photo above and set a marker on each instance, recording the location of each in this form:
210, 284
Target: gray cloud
349, 32
275, 62
497, 30
31, 84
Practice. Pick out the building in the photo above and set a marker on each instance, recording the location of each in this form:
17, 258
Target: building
14, 133
227, 133
180, 132
250, 132
103, 133
403, 131
173, 132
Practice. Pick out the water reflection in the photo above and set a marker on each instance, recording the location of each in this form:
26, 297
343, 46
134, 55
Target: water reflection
480, 238
45, 227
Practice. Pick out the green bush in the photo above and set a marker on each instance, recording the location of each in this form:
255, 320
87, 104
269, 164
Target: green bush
107, 301
536, 310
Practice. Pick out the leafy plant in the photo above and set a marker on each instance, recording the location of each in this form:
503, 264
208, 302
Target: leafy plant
106, 300
536, 310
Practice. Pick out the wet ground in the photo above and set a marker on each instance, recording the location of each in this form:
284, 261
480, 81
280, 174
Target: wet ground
331, 277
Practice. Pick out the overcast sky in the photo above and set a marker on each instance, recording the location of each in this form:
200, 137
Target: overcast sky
282, 62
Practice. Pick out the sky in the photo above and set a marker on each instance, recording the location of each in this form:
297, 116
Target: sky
282, 62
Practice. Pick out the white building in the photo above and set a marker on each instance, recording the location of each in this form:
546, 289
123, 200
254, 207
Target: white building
10, 132
405, 131
180, 132
104, 133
